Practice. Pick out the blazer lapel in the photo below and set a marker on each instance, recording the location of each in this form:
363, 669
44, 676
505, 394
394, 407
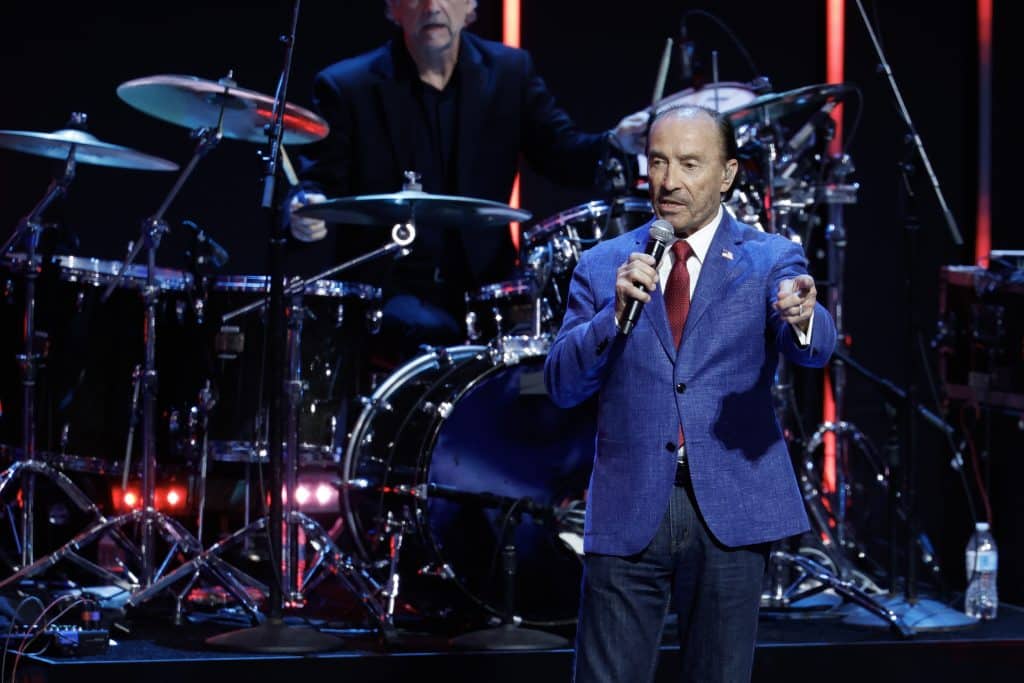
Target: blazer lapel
475, 91
393, 94
724, 261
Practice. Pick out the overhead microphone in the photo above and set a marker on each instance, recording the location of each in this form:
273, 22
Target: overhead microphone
210, 251
686, 49
796, 146
658, 238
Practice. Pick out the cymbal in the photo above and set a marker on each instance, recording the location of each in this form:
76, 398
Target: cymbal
88, 149
426, 209
196, 103
775, 106
721, 96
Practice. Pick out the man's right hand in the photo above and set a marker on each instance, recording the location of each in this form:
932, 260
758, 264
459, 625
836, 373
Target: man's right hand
633, 280
307, 229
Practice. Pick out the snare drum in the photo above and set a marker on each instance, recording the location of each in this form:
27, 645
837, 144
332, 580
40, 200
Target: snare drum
338, 319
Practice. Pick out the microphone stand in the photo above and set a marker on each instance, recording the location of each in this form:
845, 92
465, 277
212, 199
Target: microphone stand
921, 614
273, 635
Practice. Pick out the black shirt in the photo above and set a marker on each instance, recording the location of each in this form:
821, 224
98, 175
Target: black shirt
432, 271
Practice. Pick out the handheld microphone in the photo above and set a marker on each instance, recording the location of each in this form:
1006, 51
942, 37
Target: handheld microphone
660, 234
210, 249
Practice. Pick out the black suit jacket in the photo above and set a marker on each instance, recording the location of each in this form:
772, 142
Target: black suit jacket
504, 110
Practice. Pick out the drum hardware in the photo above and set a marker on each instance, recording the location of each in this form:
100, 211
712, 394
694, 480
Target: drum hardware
328, 558
552, 248
152, 231
313, 540
161, 97
828, 520
73, 145
428, 455
510, 634
147, 519
925, 614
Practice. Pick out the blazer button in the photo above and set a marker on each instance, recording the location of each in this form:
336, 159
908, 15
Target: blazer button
671, 447
680, 388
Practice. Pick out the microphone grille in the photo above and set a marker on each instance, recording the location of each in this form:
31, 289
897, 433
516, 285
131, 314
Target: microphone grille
661, 231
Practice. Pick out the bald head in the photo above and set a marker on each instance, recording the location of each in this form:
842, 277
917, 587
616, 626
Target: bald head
726, 134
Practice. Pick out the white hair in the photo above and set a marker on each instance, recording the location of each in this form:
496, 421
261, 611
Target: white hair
470, 16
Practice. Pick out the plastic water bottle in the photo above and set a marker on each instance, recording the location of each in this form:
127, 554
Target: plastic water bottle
981, 600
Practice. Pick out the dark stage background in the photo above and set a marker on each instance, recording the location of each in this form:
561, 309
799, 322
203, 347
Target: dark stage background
600, 60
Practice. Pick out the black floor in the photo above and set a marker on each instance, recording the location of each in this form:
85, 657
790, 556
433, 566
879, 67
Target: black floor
789, 649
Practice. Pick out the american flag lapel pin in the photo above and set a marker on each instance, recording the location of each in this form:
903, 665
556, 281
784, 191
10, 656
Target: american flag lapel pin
727, 254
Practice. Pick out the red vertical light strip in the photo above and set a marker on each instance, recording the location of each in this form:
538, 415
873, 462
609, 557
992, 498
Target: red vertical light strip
983, 219
835, 46
835, 56
510, 35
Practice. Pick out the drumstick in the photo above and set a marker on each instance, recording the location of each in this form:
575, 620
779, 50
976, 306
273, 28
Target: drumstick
659, 86
290, 175
289, 170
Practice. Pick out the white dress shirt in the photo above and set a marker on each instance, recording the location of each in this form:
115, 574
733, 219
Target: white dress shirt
700, 243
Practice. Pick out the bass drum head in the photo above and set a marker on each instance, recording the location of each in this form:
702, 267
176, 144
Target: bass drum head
469, 451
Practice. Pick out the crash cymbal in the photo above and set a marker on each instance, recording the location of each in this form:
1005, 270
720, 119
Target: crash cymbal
427, 210
774, 106
196, 103
88, 149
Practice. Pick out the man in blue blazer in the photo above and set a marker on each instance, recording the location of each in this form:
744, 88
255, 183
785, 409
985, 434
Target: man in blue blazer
692, 479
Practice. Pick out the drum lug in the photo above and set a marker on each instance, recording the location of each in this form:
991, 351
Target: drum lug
377, 403
472, 331
442, 409
438, 571
373, 320
199, 310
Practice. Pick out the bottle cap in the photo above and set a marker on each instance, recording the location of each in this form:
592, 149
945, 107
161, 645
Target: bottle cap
981, 526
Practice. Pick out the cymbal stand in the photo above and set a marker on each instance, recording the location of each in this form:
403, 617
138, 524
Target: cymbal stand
147, 518
328, 558
828, 524
28, 467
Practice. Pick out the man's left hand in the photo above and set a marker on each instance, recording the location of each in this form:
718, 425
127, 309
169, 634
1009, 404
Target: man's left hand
795, 300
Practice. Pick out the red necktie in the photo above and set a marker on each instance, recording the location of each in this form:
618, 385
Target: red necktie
677, 296
677, 290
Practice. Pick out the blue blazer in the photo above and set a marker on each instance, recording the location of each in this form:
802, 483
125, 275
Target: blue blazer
718, 386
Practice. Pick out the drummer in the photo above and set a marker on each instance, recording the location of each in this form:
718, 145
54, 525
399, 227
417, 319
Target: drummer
458, 110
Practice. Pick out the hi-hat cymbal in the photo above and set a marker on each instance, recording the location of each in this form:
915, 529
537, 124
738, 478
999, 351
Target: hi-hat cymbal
774, 106
88, 149
196, 103
425, 209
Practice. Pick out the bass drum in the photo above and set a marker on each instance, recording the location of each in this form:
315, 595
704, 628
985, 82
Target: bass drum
459, 447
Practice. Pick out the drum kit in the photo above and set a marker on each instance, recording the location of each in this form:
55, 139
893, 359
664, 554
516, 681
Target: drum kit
443, 459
